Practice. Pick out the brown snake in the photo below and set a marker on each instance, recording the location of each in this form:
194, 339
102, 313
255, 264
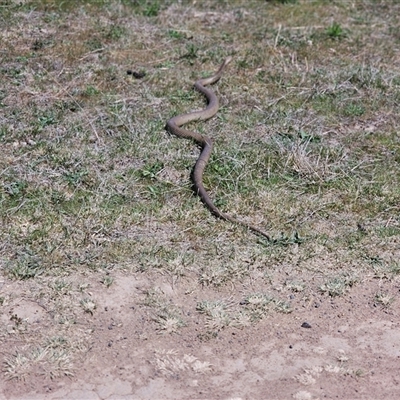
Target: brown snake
174, 126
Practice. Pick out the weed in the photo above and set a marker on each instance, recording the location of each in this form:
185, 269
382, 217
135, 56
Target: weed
156, 257
165, 315
354, 110
258, 305
90, 91
152, 170
26, 266
337, 286
383, 269
115, 32
82, 287
176, 34
217, 314
296, 286
219, 275
282, 306
383, 299
360, 373
191, 52
335, 31
15, 189
56, 342
61, 287
388, 231
88, 305
51, 362
75, 178
107, 281
168, 321
148, 8
169, 363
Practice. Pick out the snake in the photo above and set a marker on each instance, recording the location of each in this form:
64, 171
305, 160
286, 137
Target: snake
174, 126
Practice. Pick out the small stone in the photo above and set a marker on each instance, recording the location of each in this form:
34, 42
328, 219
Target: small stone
306, 325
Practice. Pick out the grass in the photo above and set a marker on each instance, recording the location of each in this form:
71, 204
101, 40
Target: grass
384, 299
337, 286
306, 148
47, 361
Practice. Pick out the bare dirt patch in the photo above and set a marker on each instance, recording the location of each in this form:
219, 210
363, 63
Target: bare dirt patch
333, 347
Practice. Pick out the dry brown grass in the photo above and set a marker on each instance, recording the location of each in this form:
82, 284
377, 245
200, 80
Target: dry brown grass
307, 148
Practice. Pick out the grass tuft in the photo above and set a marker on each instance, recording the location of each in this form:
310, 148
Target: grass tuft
337, 286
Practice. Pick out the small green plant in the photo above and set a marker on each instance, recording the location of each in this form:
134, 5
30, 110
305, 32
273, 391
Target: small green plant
388, 231
16, 188
219, 275
360, 373
94, 44
243, 63
335, 31
296, 286
338, 286
217, 314
107, 281
176, 34
258, 300
88, 305
191, 51
53, 362
82, 287
151, 170
282, 306
25, 267
258, 305
168, 321
90, 91
149, 8
383, 299
61, 287
115, 32
56, 342
74, 178
285, 240
354, 110
383, 269
166, 315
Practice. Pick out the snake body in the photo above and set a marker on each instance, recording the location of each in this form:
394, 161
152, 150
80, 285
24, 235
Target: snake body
174, 125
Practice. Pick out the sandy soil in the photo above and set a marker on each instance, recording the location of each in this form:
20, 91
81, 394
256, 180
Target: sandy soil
341, 347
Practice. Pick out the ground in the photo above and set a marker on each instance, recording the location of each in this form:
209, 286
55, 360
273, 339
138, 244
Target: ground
350, 348
117, 283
